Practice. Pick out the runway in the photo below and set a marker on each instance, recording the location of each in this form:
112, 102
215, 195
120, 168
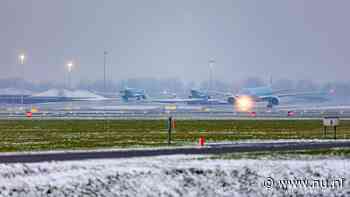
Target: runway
117, 110
209, 149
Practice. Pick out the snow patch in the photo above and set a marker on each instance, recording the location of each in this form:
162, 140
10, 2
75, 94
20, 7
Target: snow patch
69, 93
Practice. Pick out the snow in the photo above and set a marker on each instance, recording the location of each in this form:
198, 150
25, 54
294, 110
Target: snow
69, 93
169, 176
50, 93
14, 91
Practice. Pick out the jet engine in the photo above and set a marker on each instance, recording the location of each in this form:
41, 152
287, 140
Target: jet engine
273, 101
231, 100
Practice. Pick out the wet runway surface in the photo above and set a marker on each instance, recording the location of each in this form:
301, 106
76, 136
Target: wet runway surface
209, 149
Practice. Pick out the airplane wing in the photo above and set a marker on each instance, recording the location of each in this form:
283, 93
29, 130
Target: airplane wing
305, 95
293, 94
282, 91
218, 93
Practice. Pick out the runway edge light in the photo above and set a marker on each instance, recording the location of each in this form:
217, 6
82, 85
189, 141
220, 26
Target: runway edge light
29, 114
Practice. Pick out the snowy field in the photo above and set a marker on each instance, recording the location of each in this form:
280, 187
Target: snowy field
177, 176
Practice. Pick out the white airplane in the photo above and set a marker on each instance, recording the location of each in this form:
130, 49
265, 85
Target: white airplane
248, 96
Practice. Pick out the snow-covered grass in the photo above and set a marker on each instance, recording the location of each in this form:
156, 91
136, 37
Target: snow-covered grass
172, 176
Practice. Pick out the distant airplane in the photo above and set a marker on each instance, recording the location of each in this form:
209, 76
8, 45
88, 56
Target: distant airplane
133, 93
267, 94
199, 94
206, 98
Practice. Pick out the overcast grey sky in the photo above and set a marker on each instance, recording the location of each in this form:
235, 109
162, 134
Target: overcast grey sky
294, 39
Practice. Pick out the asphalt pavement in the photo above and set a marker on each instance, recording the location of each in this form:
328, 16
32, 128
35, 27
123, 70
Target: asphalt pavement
208, 149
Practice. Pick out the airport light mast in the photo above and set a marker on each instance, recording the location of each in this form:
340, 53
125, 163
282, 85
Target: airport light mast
21, 59
70, 67
211, 67
105, 53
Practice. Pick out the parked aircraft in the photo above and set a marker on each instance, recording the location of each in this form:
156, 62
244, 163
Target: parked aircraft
133, 93
196, 97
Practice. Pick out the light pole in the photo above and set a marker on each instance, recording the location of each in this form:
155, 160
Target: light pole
21, 58
104, 70
211, 66
105, 53
70, 66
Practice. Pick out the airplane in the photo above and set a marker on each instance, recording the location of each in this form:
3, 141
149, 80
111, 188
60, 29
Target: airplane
249, 96
206, 97
199, 94
130, 93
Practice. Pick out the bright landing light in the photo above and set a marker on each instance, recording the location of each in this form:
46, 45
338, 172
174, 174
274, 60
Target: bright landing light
244, 103
21, 58
70, 66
